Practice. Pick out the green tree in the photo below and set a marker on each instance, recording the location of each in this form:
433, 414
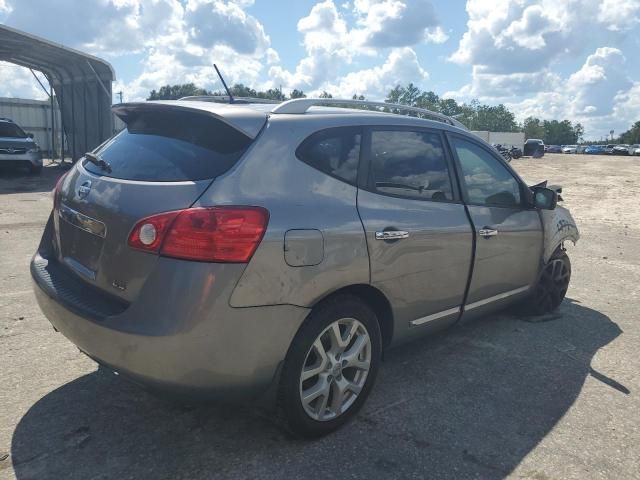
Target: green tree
533, 128
559, 133
325, 94
174, 92
272, 94
295, 93
410, 95
448, 106
428, 100
240, 90
394, 95
578, 131
631, 136
496, 118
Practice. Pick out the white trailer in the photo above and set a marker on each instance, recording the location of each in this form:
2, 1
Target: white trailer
506, 139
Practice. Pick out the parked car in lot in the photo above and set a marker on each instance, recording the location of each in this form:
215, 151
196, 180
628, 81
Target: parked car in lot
621, 150
570, 149
554, 149
608, 149
219, 249
634, 149
533, 147
594, 150
17, 148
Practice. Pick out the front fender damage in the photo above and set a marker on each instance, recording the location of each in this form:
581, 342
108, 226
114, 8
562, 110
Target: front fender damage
559, 226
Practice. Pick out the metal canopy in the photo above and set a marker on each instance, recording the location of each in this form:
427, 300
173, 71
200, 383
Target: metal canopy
82, 85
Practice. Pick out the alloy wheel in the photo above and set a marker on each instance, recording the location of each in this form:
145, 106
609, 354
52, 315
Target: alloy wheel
553, 284
335, 369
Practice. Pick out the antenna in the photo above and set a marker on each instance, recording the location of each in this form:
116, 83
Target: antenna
224, 83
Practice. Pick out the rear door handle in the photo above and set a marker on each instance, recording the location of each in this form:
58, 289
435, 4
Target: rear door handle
392, 235
487, 232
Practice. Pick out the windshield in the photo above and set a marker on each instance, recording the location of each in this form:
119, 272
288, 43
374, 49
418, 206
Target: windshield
11, 130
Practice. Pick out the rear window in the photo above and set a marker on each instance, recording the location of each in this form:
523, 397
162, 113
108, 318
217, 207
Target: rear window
171, 146
11, 130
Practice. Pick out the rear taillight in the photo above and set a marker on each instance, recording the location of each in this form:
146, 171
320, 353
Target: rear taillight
56, 190
215, 234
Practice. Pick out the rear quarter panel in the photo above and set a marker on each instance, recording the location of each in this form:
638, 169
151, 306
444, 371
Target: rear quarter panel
298, 197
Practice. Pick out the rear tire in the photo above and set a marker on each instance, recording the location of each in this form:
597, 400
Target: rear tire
552, 285
330, 367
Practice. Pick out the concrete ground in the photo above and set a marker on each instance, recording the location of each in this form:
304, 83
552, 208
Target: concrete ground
507, 396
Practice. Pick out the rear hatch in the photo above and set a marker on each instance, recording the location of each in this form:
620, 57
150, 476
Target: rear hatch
163, 160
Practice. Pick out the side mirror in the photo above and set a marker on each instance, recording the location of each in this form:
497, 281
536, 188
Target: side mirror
544, 198
30, 135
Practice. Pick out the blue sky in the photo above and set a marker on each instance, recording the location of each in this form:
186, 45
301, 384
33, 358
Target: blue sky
574, 59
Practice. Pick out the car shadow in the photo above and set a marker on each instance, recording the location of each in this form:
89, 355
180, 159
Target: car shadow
17, 180
471, 402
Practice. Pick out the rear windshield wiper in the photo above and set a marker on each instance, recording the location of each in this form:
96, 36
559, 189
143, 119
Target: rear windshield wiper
96, 160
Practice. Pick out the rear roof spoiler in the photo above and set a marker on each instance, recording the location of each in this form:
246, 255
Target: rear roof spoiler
246, 120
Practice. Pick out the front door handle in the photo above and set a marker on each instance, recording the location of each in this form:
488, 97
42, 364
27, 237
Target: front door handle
392, 235
487, 232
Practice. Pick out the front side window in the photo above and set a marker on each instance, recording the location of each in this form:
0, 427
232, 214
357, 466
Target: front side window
410, 164
335, 152
487, 180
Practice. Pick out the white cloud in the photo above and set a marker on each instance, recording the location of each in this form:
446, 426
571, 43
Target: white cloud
18, 81
600, 95
595, 86
215, 22
507, 36
620, 14
331, 45
179, 42
514, 48
325, 39
394, 23
5, 9
400, 67
105, 27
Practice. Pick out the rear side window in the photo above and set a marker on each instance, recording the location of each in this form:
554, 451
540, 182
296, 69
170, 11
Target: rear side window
410, 164
171, 146
335, 152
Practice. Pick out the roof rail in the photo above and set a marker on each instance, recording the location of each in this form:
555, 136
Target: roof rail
301, 105
225, 99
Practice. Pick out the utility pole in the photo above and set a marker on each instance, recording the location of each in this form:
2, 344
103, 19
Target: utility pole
120, 95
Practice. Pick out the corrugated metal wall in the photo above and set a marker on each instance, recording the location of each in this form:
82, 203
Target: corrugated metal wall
33, 116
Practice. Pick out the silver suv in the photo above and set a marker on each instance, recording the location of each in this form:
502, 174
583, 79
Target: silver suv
17, 148
224, 248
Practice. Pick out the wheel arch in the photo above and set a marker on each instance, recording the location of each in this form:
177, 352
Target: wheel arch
375, 299
559, 227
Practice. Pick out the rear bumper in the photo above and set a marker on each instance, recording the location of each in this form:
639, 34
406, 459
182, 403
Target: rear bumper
21, 160
186, 341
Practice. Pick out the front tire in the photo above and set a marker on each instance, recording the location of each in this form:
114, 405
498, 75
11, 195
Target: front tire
552, 285
330, 367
